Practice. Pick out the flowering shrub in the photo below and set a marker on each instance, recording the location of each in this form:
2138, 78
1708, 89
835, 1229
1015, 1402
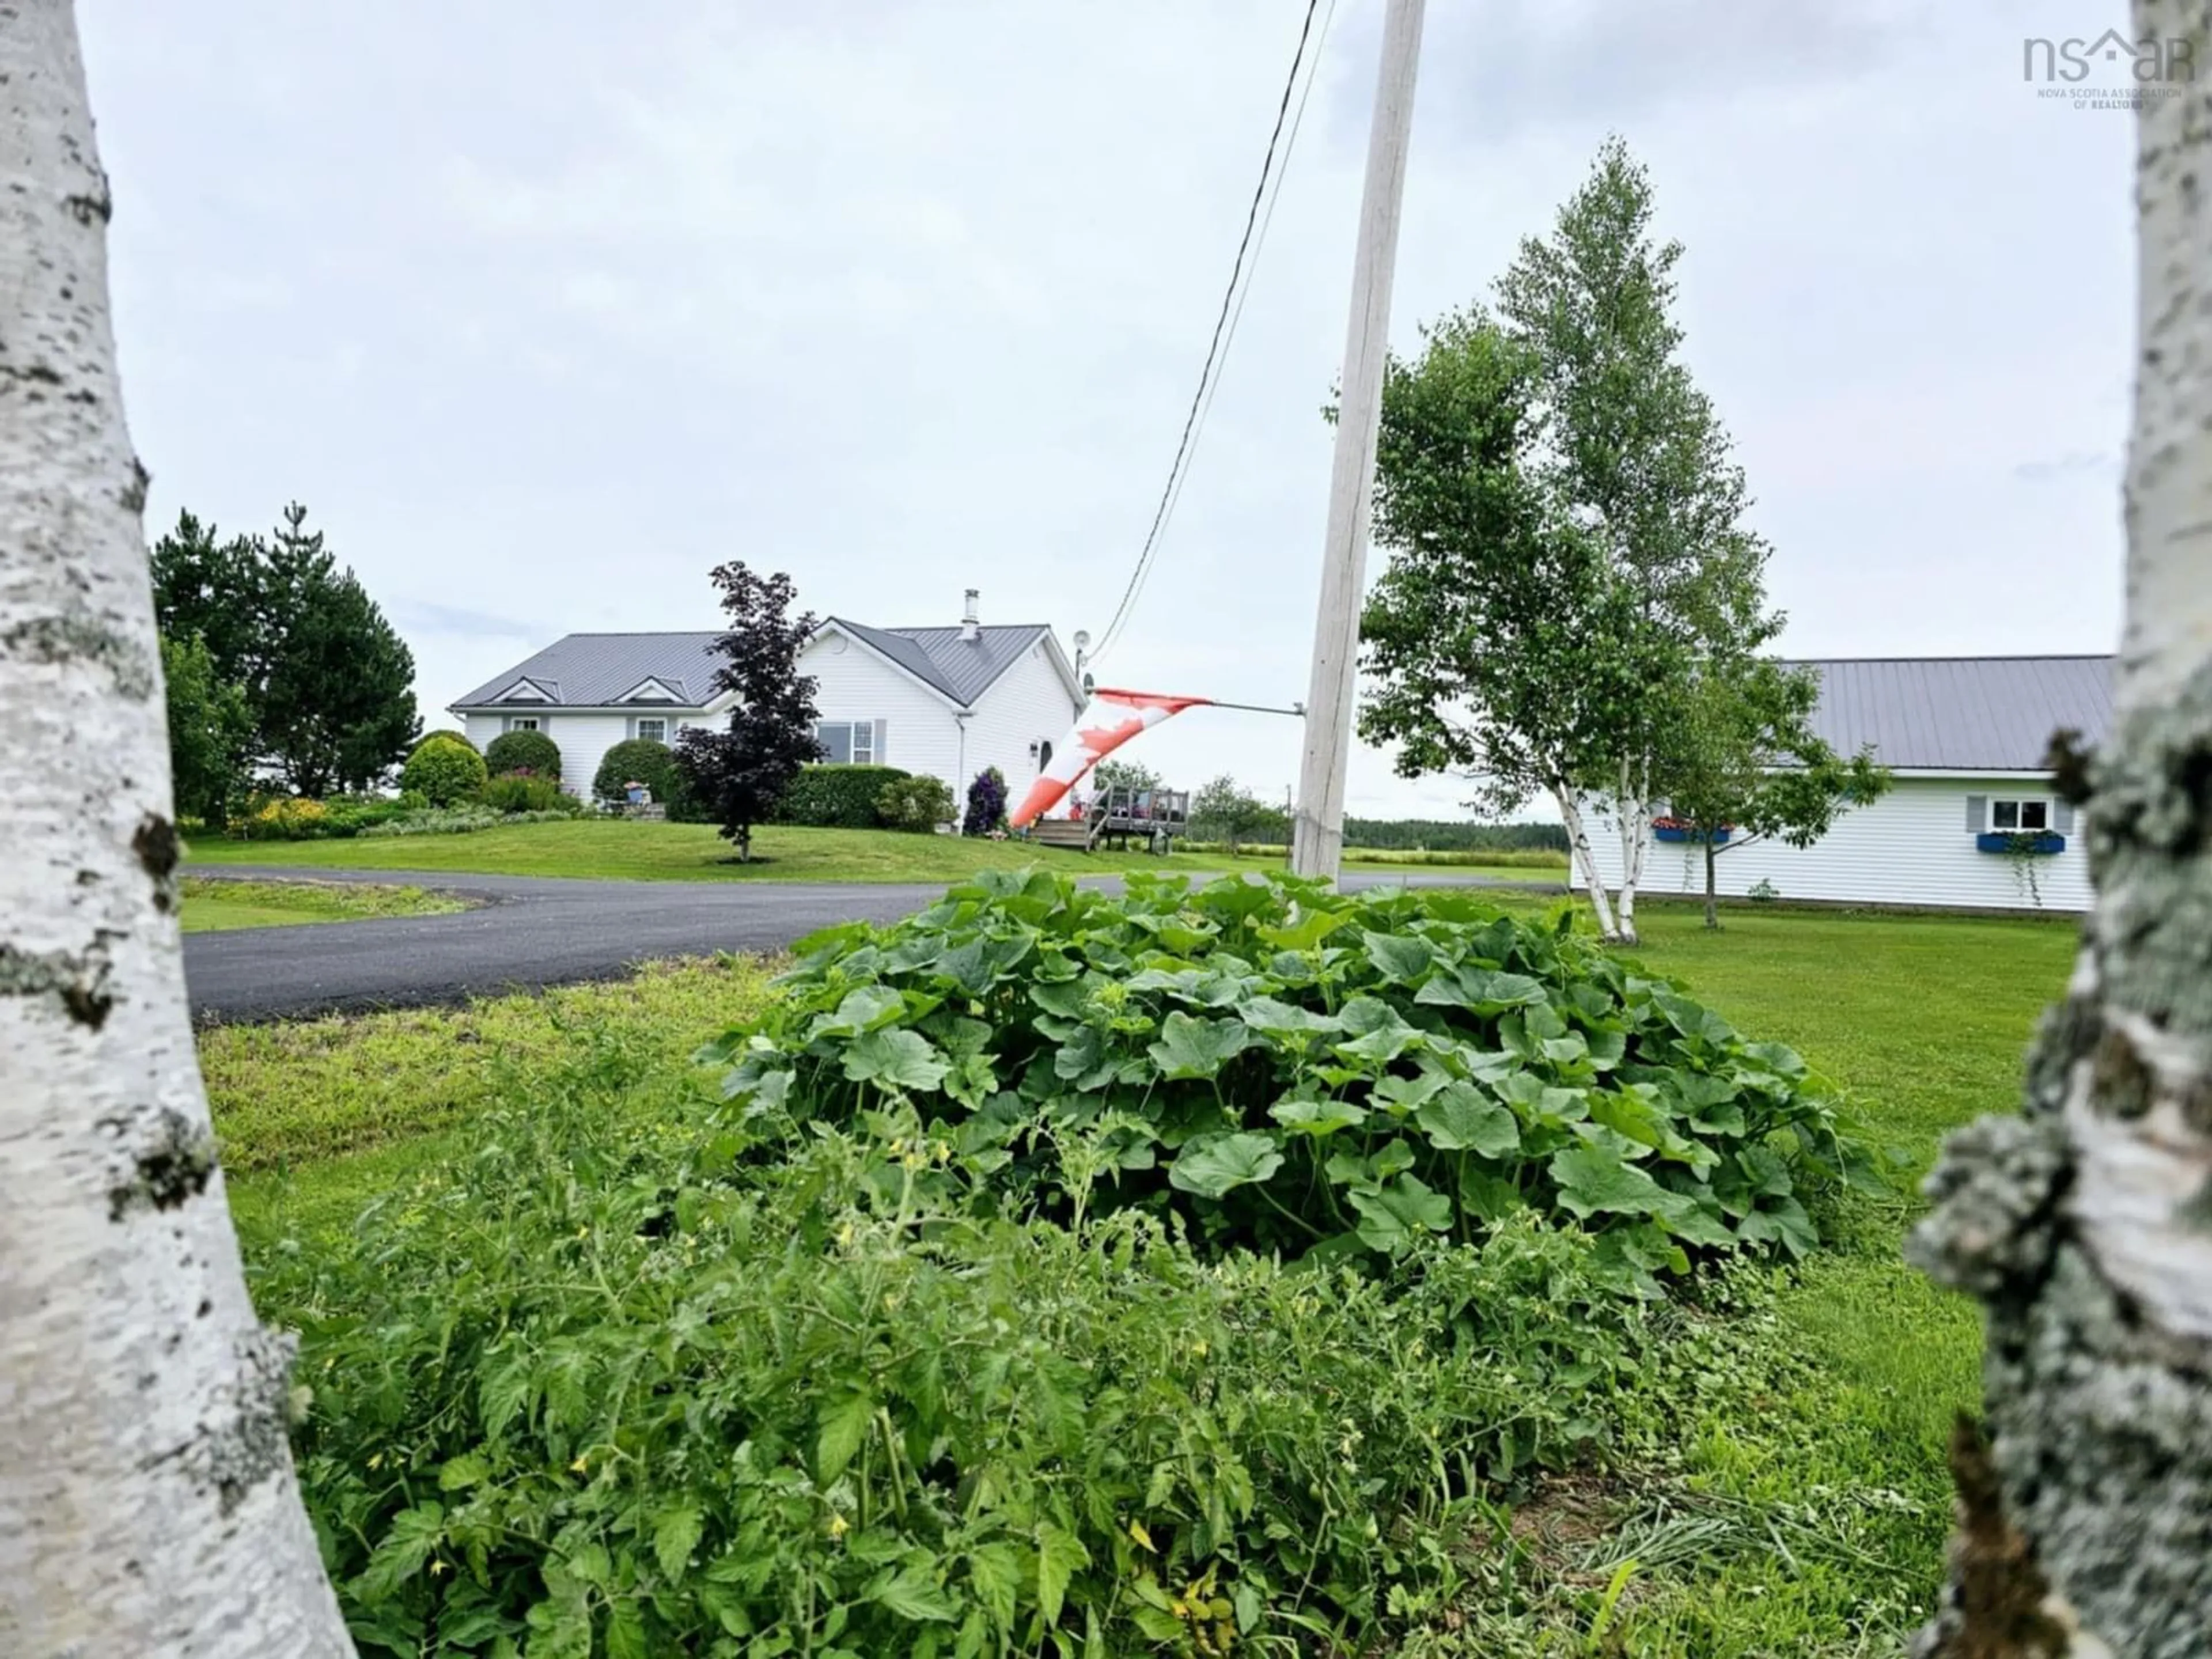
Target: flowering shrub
285, 818
986, 804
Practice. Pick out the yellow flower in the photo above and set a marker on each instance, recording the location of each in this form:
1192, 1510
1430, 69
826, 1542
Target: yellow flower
377, 1462
582, 1465
837, 1527
845, 1236
437, 1568
1198, 1348
1143, 1538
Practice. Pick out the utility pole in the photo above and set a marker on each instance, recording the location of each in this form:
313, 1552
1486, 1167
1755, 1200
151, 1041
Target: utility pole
1317, 830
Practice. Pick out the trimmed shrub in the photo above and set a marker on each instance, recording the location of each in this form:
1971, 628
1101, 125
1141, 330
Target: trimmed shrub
522, 751
916, 804
837, 797
446, 768
987, 803
525, 791
637, 760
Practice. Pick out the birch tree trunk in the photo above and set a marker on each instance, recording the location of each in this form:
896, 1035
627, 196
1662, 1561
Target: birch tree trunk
1632, 816
1585, 856
2084, 1225
147, 1499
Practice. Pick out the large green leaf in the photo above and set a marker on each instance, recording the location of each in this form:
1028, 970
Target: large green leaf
1190, 1048
1286, 1019
1212, 1165
1381, 1034
1462, 1118
863, 1008
1401, 958
1392, 1216
1316, 1118
676, 1533
913, 1593
1309, 930
1598, 1180
895, 1059
842, 1429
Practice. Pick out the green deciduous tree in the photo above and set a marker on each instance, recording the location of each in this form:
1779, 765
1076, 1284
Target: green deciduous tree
1741, 756
1226, 808
329, 682
1123, 775
1566, 525
1492, 633
210, 730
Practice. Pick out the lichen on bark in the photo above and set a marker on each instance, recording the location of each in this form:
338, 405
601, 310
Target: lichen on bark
2067, 1222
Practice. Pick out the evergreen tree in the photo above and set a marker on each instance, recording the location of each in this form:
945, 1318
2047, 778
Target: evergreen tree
329, 684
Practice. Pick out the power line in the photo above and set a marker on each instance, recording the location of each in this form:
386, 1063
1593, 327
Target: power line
1224, 327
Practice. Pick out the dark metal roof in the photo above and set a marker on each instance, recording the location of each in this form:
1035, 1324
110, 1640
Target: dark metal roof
1961, 714
962, 669
586, 671
592, 670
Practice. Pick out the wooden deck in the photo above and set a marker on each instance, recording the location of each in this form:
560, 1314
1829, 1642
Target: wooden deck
1148, 819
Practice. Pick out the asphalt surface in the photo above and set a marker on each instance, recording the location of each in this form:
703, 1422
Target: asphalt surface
529, 932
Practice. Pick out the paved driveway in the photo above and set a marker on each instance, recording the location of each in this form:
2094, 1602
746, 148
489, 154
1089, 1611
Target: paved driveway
533, 930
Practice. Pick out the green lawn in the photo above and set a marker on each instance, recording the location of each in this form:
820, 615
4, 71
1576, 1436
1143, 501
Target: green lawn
626, 850
1794, 1500
213, 905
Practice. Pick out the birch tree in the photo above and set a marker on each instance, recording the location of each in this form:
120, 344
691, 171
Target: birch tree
147, 1499
1635, 456
1493, 638
2084, 1225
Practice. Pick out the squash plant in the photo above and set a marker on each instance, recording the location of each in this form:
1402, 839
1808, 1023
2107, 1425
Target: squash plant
1295, 1070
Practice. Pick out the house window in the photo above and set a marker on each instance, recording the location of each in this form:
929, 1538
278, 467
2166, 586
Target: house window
847, 742
522, 723
653, 731
2028, 817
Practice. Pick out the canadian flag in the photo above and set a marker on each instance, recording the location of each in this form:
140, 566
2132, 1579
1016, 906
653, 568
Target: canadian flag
1110, 720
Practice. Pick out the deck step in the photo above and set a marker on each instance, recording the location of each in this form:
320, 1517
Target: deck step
1061, 832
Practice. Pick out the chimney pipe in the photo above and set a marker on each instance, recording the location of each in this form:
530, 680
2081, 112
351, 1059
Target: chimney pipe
969, 627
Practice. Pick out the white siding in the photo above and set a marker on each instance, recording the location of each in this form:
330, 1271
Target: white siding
1029, 703
854, 684
1912, 847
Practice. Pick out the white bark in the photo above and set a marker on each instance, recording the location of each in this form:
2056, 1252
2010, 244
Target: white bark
1633, 818
1570, 814
2085, 1224
147, 1499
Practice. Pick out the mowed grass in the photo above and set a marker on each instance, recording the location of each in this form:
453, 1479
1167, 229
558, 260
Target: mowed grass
623, 850
1798, 1502
215, 905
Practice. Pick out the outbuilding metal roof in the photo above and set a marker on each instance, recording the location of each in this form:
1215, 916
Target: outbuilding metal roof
1961, 714
589, 670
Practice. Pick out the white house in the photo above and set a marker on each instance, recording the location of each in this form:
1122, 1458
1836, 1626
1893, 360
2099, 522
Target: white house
947, 702
1965, 738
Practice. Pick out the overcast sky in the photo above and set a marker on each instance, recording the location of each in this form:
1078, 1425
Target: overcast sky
544, 306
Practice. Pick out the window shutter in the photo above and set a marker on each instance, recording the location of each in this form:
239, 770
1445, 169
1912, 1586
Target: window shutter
1978, 814
2062, 817
880, 725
